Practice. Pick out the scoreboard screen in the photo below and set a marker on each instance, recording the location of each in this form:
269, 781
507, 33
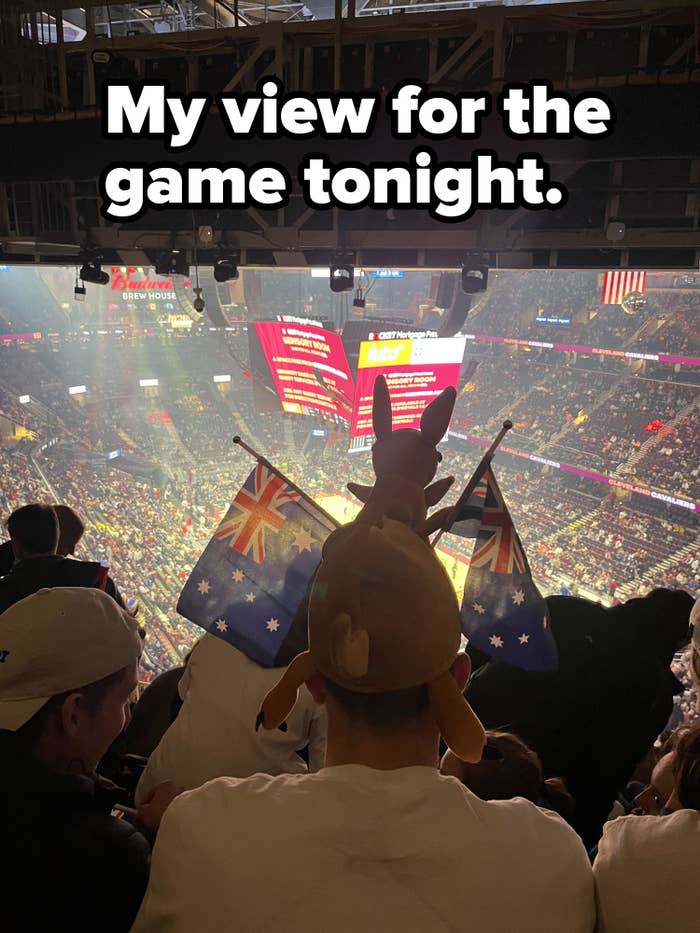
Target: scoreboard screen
416, 371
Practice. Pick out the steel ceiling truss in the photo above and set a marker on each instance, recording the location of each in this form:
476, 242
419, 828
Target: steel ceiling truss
475, 48
45, 222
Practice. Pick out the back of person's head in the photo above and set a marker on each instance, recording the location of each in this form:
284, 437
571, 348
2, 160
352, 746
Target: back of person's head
33, 531
383, 713
687, 764
510, 768
384, 637
660, 620
71, 529
70, 662
654, 798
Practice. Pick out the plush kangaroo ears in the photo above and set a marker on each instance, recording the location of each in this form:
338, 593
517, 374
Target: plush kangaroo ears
436, 417
437, 490
458, 723
279, 702
381, 409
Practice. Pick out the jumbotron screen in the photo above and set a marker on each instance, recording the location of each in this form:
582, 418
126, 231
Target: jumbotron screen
309, 368
416, 370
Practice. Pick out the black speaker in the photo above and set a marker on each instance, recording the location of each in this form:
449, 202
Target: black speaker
475, 277
447, 285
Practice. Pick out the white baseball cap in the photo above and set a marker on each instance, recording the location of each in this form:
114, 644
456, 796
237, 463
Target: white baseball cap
57, 640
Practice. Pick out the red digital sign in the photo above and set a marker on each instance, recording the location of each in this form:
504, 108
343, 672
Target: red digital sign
416, 371
309, 368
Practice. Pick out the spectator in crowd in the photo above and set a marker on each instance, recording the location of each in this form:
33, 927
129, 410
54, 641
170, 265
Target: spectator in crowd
597, 716
70, 660
214, 733
71, 528
510, 769
640, 856
653, 799
7, 557
694, 660
34, 533
155, 711
378, 839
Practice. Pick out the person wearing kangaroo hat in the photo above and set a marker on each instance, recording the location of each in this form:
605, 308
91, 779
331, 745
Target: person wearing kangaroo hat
383, 616
377, 840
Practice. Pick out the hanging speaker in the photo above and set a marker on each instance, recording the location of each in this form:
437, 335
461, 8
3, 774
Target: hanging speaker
454, 318
447, 285
216, 316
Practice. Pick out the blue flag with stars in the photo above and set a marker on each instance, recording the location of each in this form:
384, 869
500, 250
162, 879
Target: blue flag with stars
503, 612
254, 573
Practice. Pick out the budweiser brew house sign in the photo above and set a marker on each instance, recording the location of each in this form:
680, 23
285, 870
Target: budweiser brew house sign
137, 285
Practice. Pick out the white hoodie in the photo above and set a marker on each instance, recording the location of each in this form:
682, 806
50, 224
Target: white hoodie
214, 734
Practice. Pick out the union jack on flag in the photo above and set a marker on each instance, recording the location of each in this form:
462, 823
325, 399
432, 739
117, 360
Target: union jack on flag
497, 545
254, 511
254, 575
503, 612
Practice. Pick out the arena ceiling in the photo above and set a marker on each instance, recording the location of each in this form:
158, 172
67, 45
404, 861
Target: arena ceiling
645, 177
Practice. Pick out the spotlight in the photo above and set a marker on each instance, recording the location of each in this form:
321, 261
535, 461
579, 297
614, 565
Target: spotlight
172, 262
92, 272
342, 276
475, 275
226, 268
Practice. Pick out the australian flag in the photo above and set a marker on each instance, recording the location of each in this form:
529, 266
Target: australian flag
503, 612
255, 572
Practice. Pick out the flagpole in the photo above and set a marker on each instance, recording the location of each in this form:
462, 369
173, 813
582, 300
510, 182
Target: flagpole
266, 463
481, 468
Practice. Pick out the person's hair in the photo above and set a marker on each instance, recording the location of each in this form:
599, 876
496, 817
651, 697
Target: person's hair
71, 528
687, 767
694, 665
672, 608
510, 768
383, 713
34, 528
93, 695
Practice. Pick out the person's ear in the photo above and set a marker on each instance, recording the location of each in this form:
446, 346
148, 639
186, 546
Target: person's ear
317, 689
461, 670
72, 713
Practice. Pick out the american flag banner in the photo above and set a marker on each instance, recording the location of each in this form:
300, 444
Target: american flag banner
254, 573
503, 612
618, 284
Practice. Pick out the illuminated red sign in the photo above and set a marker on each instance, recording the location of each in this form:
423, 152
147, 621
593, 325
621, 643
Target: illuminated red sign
308, 366
127, 282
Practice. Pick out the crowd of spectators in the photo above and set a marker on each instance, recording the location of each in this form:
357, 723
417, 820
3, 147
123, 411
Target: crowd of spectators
671, 462
187, 425
381, 822
361, 772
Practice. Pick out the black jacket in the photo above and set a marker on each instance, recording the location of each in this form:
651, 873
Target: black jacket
155, 712
595, 718
68, 864
30, 575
